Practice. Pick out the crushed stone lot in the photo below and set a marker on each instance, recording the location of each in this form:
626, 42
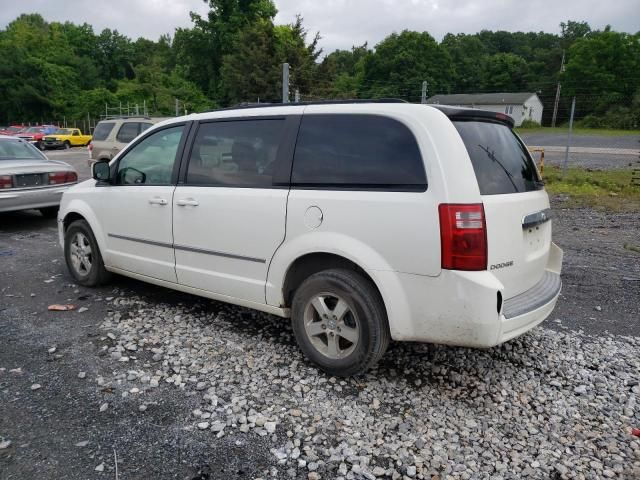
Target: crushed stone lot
544, 405
174, 386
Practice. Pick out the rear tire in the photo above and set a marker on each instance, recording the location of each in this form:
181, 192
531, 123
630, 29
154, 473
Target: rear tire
67, 145
49, 212
82, 255
340, 322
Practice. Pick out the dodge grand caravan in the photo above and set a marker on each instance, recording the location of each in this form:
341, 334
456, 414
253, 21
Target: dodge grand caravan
361, 221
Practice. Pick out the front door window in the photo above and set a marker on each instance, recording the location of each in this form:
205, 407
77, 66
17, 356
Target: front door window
151, 162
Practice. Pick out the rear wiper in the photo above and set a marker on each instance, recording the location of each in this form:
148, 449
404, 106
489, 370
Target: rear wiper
493, 157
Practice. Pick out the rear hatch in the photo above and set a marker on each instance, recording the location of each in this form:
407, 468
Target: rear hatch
516, 205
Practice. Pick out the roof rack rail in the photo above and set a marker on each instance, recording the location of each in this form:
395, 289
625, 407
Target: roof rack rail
114, 117
242, 106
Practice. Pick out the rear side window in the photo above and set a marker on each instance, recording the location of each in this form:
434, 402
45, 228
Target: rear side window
144, 126
128, 131
500, 160
357, 151
235, 153
102, 131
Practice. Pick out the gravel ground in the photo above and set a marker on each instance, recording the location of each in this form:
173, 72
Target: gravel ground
549, 404
597, 141
181, 387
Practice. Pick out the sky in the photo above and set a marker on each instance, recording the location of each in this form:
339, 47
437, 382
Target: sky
343, 23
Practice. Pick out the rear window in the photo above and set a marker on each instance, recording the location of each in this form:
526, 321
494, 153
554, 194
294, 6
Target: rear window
102, 131
357, 151
500, 160
18, 150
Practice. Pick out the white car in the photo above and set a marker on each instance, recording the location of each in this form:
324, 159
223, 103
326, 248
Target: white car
362, 221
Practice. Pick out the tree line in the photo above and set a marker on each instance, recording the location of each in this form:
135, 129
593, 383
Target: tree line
234, 54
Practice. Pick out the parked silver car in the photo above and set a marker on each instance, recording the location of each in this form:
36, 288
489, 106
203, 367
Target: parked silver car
29, 180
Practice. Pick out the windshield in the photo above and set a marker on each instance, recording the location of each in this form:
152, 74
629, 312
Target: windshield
15, 129
501, 162
33, 130
19, 150
62, 131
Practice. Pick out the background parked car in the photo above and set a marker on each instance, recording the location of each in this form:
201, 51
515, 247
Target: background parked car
66, 138
34, 135
110, 136
13, 130
28, 179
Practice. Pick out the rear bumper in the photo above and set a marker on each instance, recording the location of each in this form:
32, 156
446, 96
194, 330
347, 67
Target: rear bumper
523, 312
463, 308
25, 199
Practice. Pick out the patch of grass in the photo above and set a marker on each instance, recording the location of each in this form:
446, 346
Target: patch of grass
601, 189
579, 131
633, 248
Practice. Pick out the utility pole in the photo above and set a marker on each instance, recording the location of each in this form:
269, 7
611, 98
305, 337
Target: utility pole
566, 152
555, 104
285, 83
177, 108
425, 84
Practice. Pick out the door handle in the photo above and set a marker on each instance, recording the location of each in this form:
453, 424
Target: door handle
187, 202
157, 201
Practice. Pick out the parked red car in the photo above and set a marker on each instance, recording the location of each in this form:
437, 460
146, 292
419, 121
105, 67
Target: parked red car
34, 135
13, 130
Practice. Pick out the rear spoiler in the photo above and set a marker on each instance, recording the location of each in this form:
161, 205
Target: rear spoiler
461, 113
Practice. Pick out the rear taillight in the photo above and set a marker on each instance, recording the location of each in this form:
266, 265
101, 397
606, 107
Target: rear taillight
463, 236
6, 181
56, 178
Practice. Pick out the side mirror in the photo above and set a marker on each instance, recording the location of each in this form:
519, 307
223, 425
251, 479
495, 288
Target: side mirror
101, 171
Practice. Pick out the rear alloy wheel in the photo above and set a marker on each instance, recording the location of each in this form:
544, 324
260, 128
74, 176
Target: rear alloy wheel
340, 322
331, 325
82, 255
49, 212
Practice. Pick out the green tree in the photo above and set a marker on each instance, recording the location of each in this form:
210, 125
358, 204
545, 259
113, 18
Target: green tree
340, 73
504, 72
401, 62
469, 56
607, 64
200, 50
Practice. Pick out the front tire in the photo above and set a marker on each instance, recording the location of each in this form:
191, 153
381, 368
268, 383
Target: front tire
67, 145
340, 322
82, 255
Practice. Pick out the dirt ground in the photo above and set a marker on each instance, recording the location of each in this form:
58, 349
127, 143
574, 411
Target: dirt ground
601, 294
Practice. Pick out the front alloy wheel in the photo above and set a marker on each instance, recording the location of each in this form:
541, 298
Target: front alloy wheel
81, 254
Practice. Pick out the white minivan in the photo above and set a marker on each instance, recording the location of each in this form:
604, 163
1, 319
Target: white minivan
361, 221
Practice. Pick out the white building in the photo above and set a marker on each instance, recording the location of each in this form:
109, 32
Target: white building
520, 106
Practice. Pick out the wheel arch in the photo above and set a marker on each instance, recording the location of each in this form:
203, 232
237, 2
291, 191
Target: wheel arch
78, 210
306, 265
